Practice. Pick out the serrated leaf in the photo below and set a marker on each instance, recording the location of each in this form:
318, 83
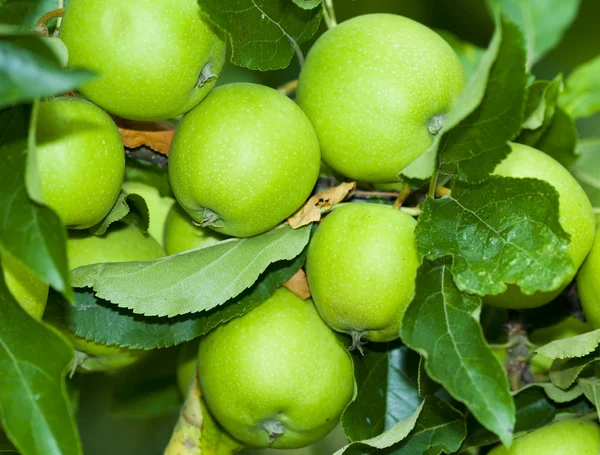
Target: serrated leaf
559, 395
591, 389
473, 148
100, 321
581, 97
587, 169
387, 439
542, 97
29, 69
504, 230
560, 139
120, 210
441, 323
469, 54
35, 411
564, 372
308, 4
31, 233
387, 392
193, 281
25, 13
576, 346
439, 428
264, 34
542, 21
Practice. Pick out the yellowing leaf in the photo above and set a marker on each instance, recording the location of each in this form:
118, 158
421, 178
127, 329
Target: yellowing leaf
320, 202
298, 285
155, 135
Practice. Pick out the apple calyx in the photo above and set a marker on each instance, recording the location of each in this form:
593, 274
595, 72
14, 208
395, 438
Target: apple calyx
206, 75
209, 218
274, 428
357, 340
435, 124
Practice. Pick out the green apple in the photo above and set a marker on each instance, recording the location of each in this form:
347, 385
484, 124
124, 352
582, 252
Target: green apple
80, 160
243, 160
120, 243
567, 437
155, 59
588, 285
276, 376
361, 269
376, 89
576, 217
158, 206
181, 234
567, 328
26, 288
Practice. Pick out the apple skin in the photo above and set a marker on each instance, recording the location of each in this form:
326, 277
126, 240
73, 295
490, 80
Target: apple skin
567, 437
371, 87
150, 55
361, 268
181, 234
27, 289
576, 217
277, 366
80, 159
588, 285
243, 160
158, 207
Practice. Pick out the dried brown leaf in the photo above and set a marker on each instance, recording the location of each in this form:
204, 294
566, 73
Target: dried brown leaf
154, 135
298, 285
319, 203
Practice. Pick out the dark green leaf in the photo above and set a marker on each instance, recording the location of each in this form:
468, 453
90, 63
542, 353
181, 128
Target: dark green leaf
581, 97
34, 407
29, 69
264, 34
473, 148
97, 320
564, 372
308, 4
441, 324
122, 210
504, 230
25, 12
193, 281
470, 55
539, 112
30, 232
387, 392
543, 21
560, 139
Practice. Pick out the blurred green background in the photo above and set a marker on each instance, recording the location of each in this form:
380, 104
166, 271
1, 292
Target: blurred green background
102, 431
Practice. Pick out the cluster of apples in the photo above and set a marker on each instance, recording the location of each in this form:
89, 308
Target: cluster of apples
244, 158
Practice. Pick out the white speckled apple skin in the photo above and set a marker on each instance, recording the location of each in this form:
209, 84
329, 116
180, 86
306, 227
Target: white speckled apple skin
361, 268
576, 217
370, 87
588, 285
246, 153
278, 362
149, 54
80, 160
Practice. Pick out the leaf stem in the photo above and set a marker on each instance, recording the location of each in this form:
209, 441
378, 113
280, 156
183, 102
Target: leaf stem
412, 211
289, 88
402, 196
329, 14
42, 24
432, 186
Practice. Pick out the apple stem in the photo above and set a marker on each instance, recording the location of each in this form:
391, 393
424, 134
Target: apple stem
206, 75
289, 88
329, 14
435, 124
357, 342
402, 196
209, 218
42, 24
274, 428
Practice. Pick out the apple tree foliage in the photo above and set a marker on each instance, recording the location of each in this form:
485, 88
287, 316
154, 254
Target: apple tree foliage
441, 388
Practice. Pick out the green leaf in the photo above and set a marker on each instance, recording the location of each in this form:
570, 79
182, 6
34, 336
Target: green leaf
504, 230
121, 210
559, 395
587, 169
100, 321
25, 13
264, 34
581, 97
576, 346
469, 54
591, 389
143, 172
387, 392
560, 139
29, 69
30, 232
386, 439
543, 22
441, 323
439, 428
542, 97
472, 149
564, 372
308, 4
35, 411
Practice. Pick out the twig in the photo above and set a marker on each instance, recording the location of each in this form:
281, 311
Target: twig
370, 194
402, 196
289, 88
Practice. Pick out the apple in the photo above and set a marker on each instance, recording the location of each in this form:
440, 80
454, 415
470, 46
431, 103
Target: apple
25, 287
588, 285
181, 234
566, 437
158, 206
576, 217
361, 268
243, 160
156, 60
376, 89
276, 376
80, 160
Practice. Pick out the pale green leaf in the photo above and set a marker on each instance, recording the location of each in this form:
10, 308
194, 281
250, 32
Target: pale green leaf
308, 4
564, 372
469, 54
591, 389
559, 395
576, 346
581, 97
